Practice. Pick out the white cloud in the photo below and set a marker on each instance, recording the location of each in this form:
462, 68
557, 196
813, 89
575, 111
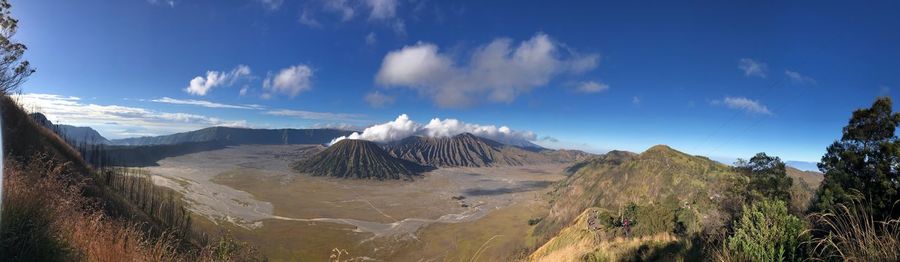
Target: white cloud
744, 104
377, 99
371, 38
799, 79
498, 70
403, 127
117, 121
636, 100
590, 87
203, 103
752, 67
202, 85
314, 115
289, 81
382, 9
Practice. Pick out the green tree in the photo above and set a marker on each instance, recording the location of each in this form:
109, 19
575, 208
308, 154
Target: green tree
865, 161
766, 232
767, 178
13, 69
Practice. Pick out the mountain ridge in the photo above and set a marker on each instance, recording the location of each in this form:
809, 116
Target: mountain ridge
233, 135
74, 134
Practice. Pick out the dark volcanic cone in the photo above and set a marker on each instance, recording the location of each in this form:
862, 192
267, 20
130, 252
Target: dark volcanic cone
350, 158
460, 150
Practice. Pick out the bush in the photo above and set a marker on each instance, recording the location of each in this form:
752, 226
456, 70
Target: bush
766, 232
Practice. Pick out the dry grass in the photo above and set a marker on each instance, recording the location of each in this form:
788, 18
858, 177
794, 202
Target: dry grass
851, 233
578, 242
45, 217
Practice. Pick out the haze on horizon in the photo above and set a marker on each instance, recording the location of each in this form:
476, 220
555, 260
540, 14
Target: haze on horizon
725, 80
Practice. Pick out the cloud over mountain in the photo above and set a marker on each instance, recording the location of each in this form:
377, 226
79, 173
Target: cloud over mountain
500, 70
403, 127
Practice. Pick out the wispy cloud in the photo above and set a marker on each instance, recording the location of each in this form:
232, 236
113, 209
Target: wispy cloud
310, 115
117, 121
590, 87
371, 38
202, 85
341, 126
377, 99
271, 4
170, 3
203, 103
744, 104
380, 12
797, 78
753, 68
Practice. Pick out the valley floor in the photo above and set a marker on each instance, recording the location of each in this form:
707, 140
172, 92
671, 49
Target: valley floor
251, 190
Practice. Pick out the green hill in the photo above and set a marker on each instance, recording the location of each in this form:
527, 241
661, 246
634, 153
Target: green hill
658, 176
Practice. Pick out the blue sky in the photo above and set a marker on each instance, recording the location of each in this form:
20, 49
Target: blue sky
713, 78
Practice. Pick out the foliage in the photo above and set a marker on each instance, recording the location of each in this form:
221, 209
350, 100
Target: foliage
866, 159
766, 232
767, 178
13, 69
852, 233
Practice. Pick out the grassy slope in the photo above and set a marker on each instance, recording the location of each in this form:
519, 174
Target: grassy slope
652, 177
578, 242
52, 202
659, 174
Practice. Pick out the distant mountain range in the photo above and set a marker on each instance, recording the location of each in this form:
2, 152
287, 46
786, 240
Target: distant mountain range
803, 165
73, 134
351, 158
231, 135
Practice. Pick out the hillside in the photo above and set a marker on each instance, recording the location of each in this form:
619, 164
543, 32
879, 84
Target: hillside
586, 239
804, 187
231, 135
658, 176
59, 208
469, 150
350, 158
73, 134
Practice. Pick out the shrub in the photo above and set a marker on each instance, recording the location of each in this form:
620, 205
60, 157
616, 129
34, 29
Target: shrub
766, 232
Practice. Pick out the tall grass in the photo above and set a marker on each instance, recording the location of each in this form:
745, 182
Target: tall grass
47, 218
851, 233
